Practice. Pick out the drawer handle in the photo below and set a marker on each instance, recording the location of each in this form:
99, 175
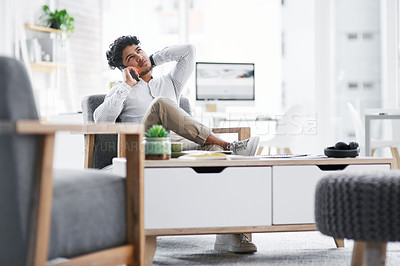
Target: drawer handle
208, 170
332, 167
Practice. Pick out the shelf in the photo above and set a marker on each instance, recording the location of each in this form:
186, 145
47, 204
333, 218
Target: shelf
43, 29
47, 66
52, 76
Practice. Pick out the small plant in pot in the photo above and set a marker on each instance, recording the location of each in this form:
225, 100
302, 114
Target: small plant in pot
157, 143
60, 20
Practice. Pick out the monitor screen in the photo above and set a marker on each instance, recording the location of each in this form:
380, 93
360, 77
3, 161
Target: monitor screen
224, 81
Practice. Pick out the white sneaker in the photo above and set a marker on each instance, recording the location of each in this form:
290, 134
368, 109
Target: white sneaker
237, 243
247, 147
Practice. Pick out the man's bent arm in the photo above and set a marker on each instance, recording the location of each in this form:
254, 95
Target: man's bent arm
184, 55
113, 103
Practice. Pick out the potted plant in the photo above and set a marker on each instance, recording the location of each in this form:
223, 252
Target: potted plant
58, 19
157, 143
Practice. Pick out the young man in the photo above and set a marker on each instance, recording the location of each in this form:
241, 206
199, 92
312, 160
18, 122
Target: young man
153, 101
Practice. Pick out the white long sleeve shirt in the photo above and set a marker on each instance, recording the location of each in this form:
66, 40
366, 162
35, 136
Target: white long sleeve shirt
131, 103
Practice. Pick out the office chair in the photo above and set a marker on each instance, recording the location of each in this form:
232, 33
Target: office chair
375, 144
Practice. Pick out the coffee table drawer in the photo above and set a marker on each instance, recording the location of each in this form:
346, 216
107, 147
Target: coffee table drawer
294, 190
189, 197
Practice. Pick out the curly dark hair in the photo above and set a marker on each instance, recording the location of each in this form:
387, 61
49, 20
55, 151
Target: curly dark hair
114, 55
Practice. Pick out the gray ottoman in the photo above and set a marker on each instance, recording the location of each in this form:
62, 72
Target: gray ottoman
364, 206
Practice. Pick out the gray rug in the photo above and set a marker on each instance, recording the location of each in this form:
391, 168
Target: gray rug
299, 248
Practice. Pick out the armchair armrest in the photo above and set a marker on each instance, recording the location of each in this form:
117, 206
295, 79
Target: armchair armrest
133, 150
36, 127
90, 130
243, 132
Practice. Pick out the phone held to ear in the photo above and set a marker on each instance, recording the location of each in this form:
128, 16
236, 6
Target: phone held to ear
134, 76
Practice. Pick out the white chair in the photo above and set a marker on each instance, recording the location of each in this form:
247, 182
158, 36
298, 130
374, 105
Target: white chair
287, 128
375, 144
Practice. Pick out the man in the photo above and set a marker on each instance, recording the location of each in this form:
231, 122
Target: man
152, 101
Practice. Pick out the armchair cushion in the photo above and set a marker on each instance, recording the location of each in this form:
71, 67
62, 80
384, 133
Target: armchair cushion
185, 105
88, 212
17, 100
89, 104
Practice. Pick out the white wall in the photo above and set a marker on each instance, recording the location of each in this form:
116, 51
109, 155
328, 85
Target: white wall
13, 14
390, 53
6, 27
324, 64
248, 32
298, 57
222, 31
300, 42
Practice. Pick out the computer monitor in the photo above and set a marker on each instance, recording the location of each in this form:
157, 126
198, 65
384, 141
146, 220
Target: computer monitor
225, 83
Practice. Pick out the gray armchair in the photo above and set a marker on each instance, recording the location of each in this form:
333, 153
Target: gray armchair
103, 148
86, 216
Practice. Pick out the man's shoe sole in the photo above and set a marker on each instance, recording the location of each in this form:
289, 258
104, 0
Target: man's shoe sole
224, 247
254, 150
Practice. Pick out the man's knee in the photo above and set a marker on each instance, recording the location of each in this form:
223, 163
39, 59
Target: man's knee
162, 104
159, 101
156, 104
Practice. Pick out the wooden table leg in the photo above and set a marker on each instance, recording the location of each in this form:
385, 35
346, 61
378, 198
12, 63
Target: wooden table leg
250, 236
375, 254
396, 156
150, 249
358, 253
339, 242
368, 253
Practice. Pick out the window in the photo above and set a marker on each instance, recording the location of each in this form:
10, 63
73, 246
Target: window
222, 31
155, 23
231, 31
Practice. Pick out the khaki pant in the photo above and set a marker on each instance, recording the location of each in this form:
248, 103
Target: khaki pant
165, 112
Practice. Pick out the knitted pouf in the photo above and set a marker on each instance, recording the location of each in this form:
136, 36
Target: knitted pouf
364, 206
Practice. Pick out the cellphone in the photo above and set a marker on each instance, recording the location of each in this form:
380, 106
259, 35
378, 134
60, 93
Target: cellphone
134, 76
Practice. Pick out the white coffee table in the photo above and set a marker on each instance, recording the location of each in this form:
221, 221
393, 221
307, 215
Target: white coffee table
236, 196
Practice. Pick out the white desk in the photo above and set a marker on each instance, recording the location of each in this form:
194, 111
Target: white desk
376, 114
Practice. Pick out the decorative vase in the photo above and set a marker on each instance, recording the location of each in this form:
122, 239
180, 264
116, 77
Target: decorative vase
157, 148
